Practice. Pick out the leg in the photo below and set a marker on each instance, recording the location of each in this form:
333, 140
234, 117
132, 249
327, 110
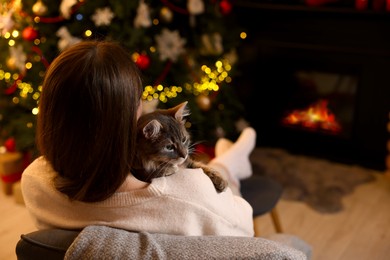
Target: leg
232, 159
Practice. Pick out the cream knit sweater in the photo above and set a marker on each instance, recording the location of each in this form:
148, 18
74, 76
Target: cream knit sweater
184, 203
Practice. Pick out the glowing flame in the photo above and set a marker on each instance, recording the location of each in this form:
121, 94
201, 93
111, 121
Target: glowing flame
316, 117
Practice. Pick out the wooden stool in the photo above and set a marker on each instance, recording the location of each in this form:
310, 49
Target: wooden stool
263, 194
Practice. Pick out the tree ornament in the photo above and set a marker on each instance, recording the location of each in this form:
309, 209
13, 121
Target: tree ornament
220, 132
212, 44
102, 16
66, 39
17, 5
10, 144
39, 8
29, 33
18, 57
166, 14
195, 7
225, 7
142, 19
204, 152
11, 63
11, 89
203, 102
143, 61
170, 45
66, 8
6, 22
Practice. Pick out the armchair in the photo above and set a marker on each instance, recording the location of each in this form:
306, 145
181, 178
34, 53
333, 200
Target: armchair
102, 242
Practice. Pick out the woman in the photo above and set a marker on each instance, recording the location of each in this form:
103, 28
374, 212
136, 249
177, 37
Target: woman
88, 110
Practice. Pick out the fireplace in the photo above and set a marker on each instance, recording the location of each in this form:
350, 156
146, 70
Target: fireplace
317, 81
321, 102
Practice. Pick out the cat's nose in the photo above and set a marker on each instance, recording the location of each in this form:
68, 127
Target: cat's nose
182, 153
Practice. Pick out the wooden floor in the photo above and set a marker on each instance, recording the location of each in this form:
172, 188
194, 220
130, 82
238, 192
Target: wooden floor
360, 232
15, 221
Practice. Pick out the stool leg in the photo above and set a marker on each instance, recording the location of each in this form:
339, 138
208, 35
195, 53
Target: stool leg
275, 219
257, 228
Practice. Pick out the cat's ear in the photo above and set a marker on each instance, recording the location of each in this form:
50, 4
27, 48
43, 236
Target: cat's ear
152, 129
181, 111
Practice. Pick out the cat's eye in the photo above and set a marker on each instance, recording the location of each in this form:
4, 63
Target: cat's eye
184, 139
170, 147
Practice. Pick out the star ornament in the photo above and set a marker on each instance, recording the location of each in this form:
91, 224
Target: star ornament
6, 22
102, 16
170, 45
19, 57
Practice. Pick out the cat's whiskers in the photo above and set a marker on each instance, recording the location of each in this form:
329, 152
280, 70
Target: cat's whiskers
161, 169
192, 151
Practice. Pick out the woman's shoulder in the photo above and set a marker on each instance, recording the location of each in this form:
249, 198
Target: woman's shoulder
39, 167
186, 183
183, 176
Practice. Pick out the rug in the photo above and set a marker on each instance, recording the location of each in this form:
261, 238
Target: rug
319, 183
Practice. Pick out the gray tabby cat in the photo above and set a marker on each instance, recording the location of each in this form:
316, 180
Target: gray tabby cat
164, 145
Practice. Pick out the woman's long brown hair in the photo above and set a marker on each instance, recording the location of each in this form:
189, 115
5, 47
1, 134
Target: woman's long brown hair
87, 118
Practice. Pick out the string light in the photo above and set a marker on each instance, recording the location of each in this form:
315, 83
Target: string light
88, 33
15, 33
35, 111
25, 89
210, 81
243, 35
161, 93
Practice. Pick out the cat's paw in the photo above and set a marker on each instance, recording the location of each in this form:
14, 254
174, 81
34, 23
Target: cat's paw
220, 184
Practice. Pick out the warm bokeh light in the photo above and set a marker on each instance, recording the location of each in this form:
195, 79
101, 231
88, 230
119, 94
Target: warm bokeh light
210, 81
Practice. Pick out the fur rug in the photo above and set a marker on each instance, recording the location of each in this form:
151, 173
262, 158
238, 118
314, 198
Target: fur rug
318, 182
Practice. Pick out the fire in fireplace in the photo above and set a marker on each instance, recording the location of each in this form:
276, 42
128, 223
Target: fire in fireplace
317, 117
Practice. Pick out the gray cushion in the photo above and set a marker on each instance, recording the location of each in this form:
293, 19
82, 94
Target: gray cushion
102, 242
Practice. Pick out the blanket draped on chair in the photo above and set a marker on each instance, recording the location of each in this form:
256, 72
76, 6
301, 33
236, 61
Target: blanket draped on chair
102, 242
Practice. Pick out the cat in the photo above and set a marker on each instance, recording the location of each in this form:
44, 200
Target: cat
164, 145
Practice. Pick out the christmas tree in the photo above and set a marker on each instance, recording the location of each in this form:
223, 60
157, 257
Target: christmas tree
185, 50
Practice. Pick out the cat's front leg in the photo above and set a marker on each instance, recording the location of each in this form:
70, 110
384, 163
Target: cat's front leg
219, 182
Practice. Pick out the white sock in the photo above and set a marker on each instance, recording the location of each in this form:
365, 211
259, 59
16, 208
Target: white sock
235, 157
222, 146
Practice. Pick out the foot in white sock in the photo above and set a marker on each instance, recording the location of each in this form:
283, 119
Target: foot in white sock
235, 157
222, 146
